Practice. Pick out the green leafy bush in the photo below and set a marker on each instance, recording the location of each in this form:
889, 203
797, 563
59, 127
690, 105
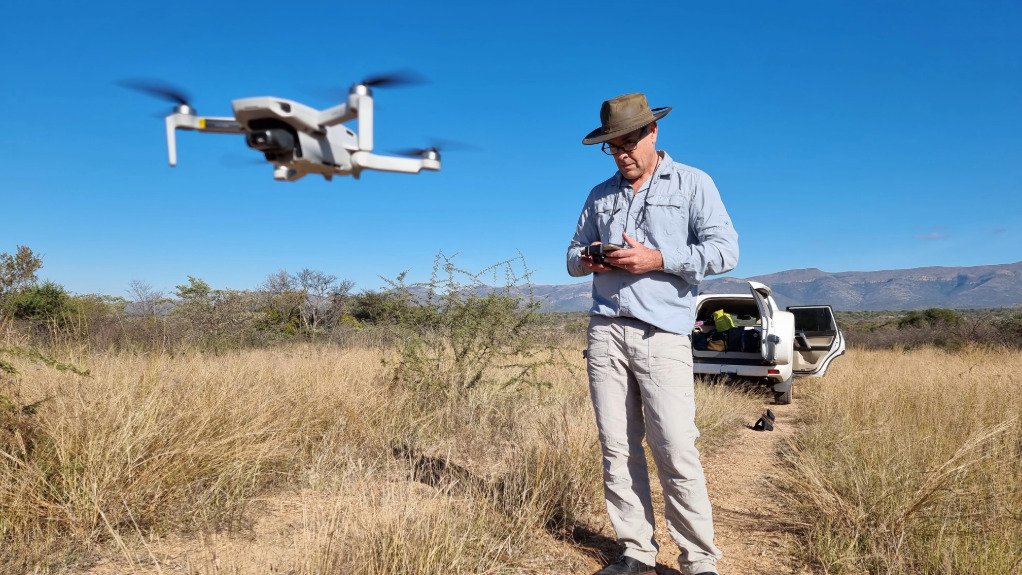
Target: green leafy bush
932, 317
44, 302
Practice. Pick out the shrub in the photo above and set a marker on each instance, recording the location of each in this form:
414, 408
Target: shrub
217, 317
462, 333
391, 307
932, 317
40, 303
1010, 328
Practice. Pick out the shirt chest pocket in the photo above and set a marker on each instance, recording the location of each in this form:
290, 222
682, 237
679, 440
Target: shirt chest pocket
666, 215
609, 219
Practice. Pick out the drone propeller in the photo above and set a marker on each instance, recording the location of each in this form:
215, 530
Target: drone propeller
436, 146
394, 79
161, 90
158, 89
415, 152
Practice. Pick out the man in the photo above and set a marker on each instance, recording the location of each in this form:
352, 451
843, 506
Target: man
671, 221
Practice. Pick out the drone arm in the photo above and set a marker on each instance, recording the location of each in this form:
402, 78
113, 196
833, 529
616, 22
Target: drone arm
179, 121
359, 105
365, 122
219, 125
337, 114
172, 140
368, 161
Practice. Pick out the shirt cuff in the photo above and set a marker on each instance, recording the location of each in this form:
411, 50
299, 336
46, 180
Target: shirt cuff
675, 263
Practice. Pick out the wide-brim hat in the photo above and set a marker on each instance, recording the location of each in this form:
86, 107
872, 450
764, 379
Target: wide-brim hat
624, 114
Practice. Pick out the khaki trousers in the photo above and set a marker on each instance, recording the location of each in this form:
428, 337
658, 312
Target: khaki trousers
640, 380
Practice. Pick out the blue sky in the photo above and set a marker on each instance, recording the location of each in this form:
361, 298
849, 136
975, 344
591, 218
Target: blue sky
842, 135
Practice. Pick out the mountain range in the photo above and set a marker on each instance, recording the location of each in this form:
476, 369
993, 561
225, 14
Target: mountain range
988, 286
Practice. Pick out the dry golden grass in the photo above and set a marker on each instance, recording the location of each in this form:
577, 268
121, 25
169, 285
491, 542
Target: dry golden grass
911, 463
152, 462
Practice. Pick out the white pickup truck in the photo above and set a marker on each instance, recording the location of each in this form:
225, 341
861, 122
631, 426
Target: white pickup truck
770, 344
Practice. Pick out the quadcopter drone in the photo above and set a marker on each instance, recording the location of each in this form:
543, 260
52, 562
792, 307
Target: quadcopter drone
297, 139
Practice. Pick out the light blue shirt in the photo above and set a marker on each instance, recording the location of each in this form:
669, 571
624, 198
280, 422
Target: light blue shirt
679, 212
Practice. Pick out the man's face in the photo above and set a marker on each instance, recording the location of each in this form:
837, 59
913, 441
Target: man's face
640, 161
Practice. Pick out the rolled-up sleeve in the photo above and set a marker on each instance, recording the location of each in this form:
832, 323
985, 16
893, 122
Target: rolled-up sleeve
715, 249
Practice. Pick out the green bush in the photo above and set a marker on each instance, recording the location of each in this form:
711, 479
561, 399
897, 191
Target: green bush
390, 307
932, 317
40, 303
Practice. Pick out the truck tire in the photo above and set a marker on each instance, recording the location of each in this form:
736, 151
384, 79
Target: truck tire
782, 397
782, 391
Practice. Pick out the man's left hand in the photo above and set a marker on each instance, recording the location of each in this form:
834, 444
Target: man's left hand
637, 259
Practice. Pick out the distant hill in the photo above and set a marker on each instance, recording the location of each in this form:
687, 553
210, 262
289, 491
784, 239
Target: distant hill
917, 288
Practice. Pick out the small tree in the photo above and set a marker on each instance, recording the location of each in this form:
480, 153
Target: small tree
145, 300
216, 315
149, 306
302, 303
18, 271
280, 303
317, 287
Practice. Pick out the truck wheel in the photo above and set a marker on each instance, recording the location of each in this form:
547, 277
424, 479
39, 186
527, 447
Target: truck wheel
782, 397
782, 391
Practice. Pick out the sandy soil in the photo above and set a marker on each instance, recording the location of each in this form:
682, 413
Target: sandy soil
743, 503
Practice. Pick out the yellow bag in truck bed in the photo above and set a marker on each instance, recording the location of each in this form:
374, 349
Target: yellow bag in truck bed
722, 320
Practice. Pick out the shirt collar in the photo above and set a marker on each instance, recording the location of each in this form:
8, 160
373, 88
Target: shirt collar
663, 172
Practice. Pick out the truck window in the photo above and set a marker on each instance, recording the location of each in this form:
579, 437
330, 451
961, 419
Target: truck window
813, 319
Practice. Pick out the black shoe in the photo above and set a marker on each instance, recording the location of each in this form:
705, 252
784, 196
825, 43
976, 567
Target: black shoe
627, 566
707, 573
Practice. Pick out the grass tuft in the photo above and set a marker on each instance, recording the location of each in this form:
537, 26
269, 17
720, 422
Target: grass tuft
910, 463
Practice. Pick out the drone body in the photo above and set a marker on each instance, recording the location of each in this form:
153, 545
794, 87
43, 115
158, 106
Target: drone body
297, 139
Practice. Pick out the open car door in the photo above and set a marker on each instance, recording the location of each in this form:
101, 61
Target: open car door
817, 339
774, 349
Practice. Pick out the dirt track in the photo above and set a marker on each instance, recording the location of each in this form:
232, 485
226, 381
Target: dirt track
744, 508
743, 503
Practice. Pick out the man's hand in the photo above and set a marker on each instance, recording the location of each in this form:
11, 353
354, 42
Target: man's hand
637, 259
588, 263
